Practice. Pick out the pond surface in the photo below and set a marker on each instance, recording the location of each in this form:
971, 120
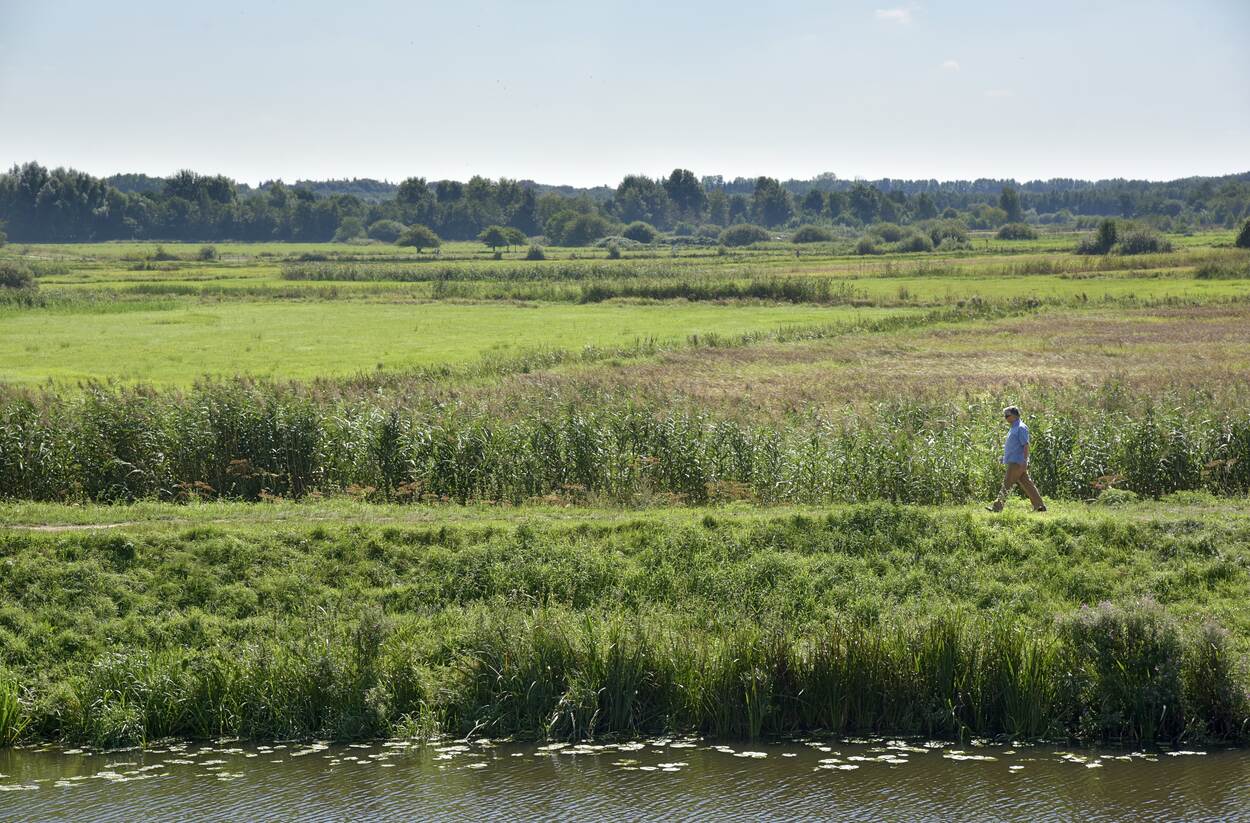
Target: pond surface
667, 778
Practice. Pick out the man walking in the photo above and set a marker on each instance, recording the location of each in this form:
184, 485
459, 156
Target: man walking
1016, 463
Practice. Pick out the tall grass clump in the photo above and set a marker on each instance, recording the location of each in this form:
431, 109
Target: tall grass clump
13, 718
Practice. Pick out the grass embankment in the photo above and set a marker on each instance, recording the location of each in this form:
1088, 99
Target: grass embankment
733, 622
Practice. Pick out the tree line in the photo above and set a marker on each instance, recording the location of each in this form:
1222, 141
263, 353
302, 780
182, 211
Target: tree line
41, 204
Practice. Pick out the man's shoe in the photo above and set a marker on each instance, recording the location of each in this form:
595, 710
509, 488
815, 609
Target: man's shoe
994, 507
1041, 508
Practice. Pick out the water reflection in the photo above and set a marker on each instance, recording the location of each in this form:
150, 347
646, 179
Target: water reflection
642, 780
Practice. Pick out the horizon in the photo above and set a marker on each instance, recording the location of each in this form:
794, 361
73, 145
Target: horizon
1020, 181
581, 95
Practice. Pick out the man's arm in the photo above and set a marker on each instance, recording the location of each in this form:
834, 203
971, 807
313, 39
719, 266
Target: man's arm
1026, 453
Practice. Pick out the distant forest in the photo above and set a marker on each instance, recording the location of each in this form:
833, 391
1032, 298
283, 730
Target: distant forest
58, 205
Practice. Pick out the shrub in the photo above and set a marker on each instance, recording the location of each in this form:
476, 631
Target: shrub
952, 244
640, 232
420, 237
684, 229
161, 254
614, 251
207, 253
578, 229
535, 252
1142, 242
915, 243
4, 238
708, 232
1017, 231
1102, 241
16, 275
942, 230
1242, 241
811, 234
867, 245
889, 232
388, 231
743, 234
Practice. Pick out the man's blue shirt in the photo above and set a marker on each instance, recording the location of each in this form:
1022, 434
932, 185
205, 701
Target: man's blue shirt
1017, 438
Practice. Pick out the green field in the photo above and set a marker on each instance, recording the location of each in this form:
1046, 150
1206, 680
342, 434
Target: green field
352, 491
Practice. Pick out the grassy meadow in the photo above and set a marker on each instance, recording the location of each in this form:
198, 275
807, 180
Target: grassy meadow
293, 490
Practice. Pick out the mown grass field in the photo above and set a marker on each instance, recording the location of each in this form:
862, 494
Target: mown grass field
736, 493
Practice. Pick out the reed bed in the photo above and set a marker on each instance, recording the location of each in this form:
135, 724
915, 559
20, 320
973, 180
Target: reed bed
248, 441
1124, 675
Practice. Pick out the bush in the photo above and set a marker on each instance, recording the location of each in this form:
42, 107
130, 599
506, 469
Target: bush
915, 243
743, 234
684, 229
161, 254
889, 232
1102, 242
15, 275
708, 232
420, 237
388, 231
578, 229
535, 252
640, 232
1017, 231
1142, 242
1242, 241
207, 253
811, 234
942, 230
4, 238
867, 245
614, 251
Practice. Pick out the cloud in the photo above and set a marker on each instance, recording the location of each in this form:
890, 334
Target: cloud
1000, 93
950, 65
901, 16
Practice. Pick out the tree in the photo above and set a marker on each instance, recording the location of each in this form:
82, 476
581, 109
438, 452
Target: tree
926, 209
863, 202
494, 236
743, 234
1009, 201
686, 193
770, 203
349, 229
1243, 237
420, 237
641, 198
514, 236
813, 203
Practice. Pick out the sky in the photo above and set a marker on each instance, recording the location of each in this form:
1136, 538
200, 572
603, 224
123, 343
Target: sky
583, 93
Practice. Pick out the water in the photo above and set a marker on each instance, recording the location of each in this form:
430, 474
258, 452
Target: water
647, 780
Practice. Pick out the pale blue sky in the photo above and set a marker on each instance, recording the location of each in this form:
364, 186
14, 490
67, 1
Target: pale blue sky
584, 92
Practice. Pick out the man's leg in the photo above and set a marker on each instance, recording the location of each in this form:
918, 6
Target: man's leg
1011, 474
1026, 483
